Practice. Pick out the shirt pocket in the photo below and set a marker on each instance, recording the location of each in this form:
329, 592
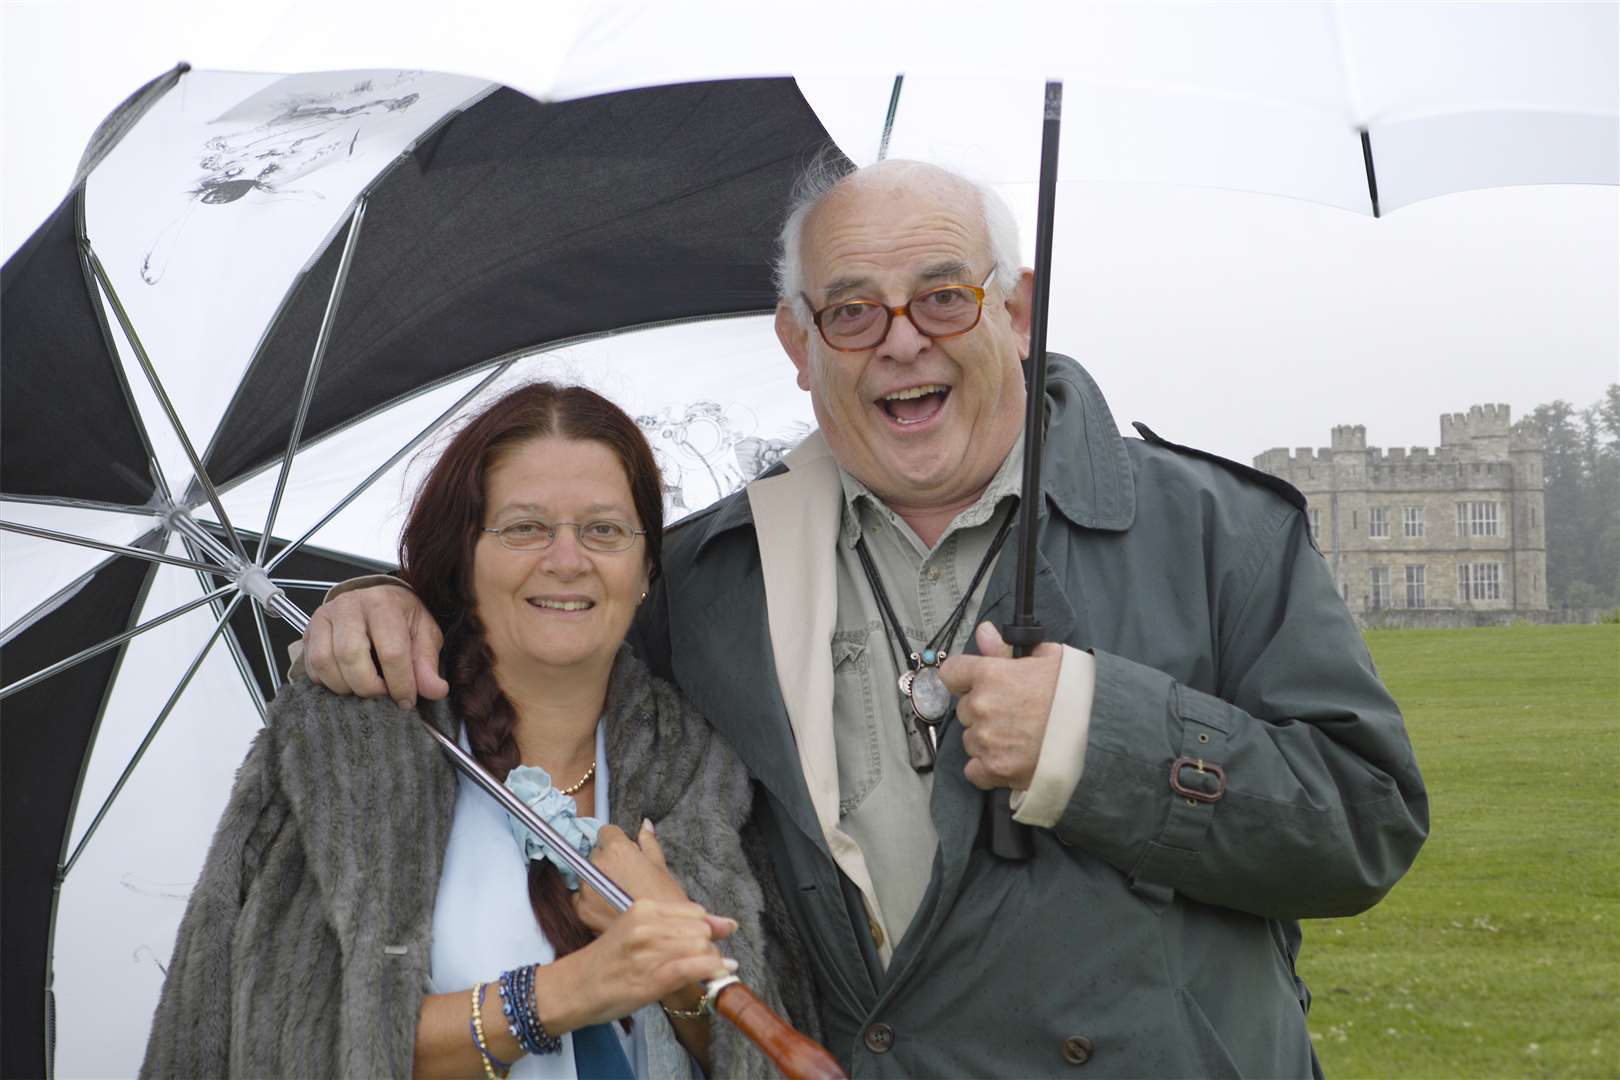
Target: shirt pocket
855, 734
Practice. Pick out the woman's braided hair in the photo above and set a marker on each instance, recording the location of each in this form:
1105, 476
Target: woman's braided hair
436, 552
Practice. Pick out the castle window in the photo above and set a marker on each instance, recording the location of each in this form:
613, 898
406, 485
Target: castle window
1316, 524
1532, 517
1479, 581
1378, 523
1414, 586
1478, 519
1380, 586
1412, 521
1355, 520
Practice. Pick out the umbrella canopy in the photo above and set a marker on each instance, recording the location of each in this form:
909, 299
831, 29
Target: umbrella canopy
250, 256
1286, 103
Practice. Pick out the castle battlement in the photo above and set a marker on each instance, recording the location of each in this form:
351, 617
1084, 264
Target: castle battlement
1479, 422
1521, 442
1349, 437
1406, 455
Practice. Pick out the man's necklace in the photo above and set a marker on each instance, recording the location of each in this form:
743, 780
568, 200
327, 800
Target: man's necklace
925, 692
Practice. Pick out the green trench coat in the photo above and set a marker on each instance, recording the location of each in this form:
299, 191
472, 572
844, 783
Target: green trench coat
1152, 934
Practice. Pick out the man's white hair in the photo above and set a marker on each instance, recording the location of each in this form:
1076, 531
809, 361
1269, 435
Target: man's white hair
829, 170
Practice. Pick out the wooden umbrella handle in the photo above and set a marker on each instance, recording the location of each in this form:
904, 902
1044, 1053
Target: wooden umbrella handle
795, 1055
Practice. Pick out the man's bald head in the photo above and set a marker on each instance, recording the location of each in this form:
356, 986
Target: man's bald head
828, 180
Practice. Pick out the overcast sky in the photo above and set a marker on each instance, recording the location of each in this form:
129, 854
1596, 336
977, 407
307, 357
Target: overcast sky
1231, 321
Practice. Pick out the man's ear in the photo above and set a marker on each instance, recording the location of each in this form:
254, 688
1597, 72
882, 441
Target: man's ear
795, 339
1021, 304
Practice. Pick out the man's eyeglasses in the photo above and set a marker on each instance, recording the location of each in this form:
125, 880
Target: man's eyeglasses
604, 534
941, 312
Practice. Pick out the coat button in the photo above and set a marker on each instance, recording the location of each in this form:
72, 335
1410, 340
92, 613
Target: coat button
1077, 1049
879, 1038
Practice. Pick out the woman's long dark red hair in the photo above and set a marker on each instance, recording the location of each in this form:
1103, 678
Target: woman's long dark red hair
436, 558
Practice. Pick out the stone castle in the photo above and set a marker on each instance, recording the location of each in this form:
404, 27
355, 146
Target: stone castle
1462, 526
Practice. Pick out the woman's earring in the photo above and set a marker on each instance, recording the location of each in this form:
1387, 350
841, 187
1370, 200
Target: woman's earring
643, 598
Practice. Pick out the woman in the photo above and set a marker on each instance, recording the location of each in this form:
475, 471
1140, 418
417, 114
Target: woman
364, 912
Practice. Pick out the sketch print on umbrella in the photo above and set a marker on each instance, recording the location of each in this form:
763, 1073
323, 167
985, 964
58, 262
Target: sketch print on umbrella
293, 132
444, 243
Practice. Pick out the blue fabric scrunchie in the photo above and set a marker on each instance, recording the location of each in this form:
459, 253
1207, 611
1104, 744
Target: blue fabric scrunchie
533, 785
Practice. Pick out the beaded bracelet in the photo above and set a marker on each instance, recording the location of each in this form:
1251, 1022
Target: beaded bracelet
522, 1017
494, 1067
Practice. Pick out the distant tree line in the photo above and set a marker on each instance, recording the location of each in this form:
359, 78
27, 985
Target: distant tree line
1582, 472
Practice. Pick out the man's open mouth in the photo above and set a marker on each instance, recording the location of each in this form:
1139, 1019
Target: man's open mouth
915, 404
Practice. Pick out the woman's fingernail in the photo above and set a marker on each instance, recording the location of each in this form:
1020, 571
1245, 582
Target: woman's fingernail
647, 826
730, 965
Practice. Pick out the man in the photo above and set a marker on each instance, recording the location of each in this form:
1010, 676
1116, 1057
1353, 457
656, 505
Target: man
1203, 749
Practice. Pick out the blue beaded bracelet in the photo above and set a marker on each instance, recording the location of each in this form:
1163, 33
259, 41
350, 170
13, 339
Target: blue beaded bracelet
522, 1018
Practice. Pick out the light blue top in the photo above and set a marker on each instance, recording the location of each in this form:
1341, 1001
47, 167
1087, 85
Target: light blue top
482, 922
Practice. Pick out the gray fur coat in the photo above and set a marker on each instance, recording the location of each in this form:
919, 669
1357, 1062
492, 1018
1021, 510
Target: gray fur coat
304, 950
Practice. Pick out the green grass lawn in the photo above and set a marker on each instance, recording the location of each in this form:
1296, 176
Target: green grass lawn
1499, 953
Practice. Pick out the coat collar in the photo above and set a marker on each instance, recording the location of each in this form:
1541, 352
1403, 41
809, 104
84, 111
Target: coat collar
1086, 470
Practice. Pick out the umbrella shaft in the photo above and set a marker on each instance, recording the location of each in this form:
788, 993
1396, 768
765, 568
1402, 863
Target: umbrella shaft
1035, 403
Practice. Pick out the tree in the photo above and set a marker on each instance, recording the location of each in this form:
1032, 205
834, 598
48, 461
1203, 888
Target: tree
1581, 467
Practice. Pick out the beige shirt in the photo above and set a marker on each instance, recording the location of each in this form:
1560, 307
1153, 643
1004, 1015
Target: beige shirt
882, 799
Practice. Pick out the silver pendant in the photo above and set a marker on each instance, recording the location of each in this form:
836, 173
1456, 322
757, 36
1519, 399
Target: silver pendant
930, 700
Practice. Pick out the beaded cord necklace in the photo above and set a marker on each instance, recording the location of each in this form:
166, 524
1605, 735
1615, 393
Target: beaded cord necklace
920, 683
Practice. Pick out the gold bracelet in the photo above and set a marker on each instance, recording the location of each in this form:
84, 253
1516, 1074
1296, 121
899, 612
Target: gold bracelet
698, 1013
485, 1058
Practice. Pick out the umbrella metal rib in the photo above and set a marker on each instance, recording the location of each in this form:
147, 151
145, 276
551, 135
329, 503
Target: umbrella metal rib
377, 473
57, 598
888, 120
243, 667
299, 583
117, 639
162, 395
151, 733
322, 339
85, 504
102, 545
270, 664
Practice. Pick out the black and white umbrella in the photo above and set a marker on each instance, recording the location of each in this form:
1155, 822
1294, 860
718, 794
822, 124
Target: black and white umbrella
262, 296
414, 240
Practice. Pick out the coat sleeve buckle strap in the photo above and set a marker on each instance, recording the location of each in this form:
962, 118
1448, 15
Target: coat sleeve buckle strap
1207, 782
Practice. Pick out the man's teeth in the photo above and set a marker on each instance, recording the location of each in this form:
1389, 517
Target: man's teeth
563, 605
916, 392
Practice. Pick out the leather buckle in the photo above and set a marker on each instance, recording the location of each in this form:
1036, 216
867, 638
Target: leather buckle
1197, 794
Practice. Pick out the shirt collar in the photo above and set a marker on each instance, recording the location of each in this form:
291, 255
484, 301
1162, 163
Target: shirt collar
1005, 483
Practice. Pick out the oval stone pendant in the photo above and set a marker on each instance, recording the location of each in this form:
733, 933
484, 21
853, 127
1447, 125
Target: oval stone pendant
930, 700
